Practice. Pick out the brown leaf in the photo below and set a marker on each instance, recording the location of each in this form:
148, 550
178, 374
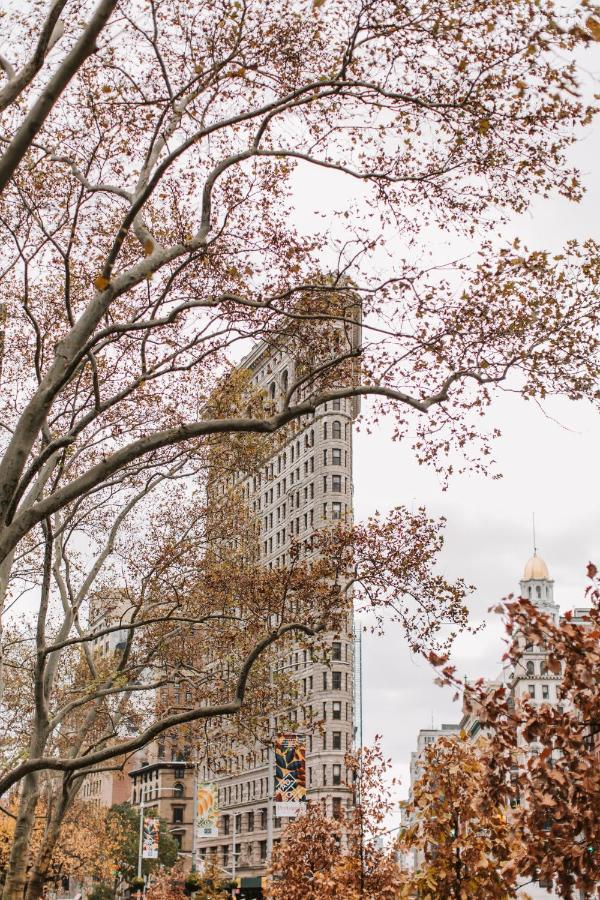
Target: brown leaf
593, 26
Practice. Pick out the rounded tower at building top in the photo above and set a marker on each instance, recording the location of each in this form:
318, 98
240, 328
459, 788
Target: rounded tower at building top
536, 569
537, 586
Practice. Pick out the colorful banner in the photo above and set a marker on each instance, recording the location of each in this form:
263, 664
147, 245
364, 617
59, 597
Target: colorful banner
290, 774
150, 838
207, 811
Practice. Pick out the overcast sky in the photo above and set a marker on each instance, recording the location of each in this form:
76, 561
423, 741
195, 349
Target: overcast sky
550, 465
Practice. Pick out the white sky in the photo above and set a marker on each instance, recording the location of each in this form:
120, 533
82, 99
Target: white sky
550, 467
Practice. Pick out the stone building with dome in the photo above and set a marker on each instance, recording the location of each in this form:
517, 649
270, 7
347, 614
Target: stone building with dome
530, 677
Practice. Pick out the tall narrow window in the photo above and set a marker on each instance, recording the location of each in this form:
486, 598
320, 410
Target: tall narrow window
336, 430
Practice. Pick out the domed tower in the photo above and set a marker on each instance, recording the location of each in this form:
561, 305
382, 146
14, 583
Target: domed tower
537, 586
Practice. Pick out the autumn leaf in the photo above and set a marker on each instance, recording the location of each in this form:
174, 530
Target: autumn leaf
436, 660
101, 283
593, 26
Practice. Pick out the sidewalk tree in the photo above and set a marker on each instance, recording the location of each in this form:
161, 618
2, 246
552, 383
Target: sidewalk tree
322, 858
150, 167
127, 819
555, 748
541, 760
463, 837
88, 847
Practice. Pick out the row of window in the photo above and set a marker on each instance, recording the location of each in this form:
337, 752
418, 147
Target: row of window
334, 511
308, 520
545, 693
153, 792
532, 669
257, 787
304, 658
335, 431
91, 787
246, 852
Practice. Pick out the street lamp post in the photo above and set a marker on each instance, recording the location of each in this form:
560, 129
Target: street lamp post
143, 805
195, 818
271, 763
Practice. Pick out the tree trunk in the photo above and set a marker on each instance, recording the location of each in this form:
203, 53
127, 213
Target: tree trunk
39, 870
16, 876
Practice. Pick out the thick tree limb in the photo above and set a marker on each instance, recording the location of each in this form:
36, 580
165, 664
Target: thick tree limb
193, 715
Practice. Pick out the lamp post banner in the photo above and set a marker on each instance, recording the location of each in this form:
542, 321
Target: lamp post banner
290, 774
150, 838
207, 811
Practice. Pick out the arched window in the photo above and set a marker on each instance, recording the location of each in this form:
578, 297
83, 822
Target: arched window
285, 381
538, 590
336, 430
543, 668
530, 668
272, 390
178, 789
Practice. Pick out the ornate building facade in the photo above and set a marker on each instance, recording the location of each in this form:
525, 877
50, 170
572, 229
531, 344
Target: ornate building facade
304, 486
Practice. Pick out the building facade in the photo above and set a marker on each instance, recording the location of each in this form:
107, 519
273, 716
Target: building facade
166, 789
304, 486
109, 784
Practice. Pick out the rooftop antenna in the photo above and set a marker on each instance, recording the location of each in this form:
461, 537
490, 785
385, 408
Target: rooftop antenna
534, 543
